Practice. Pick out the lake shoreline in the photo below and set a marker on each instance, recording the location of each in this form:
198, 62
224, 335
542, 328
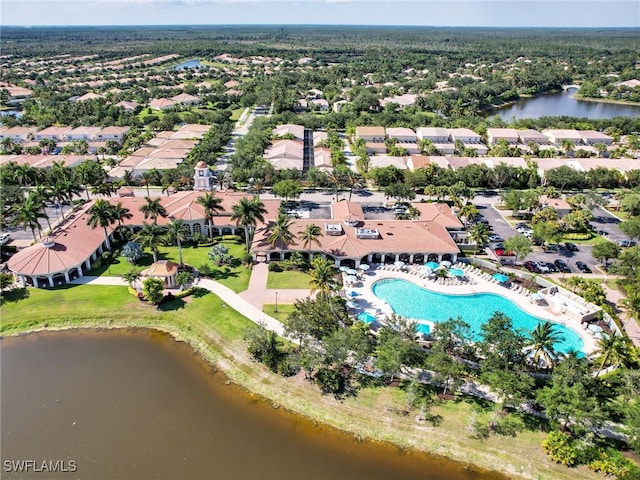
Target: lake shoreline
304, 399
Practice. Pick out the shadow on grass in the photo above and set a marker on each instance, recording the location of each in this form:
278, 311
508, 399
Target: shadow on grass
14, 295
172, 305
222, 274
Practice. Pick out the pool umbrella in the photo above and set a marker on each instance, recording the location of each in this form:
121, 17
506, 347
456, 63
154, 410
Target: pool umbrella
351, 271
344, 268
432, 265
399, 263
352, 304
445, 263
499, 277
352, 279
427, 270
353, 293
456, 272
364, 266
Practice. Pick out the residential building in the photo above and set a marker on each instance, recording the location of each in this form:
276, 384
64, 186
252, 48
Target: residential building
496, 134
83, 133
58, 134
112, 133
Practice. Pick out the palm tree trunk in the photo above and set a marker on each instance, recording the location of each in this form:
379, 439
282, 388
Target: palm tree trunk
180, 252
155, 255
106, 239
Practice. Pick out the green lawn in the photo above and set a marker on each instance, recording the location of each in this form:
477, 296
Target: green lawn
288, 280
283, 310
90, 305
235, 114
234, 276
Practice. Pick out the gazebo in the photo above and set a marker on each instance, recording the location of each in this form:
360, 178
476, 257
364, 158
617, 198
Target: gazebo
164, 270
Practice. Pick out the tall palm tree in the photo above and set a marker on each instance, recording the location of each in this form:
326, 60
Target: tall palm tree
101, 215
211, 205
41, 195
121, 213
85, 173
281, 232
70, 188
247, 212
23, 174
468, 212
27, 215
151, 236
153, 209
310, 235
175, 231
543, 338
479, 233
323, 276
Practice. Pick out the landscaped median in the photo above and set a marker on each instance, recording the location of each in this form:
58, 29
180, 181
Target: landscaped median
215, 331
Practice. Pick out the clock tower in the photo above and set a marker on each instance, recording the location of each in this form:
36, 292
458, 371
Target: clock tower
202, 176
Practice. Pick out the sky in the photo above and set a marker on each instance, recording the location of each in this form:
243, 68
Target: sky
464, 13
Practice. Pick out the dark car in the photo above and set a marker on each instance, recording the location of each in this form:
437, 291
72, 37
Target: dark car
552, 267
532, 267
572, 247
583, 267
562, 266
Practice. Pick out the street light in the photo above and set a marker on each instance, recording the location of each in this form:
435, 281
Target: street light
276, 309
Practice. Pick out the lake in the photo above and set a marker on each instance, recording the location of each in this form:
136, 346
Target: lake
137, 404
563, 104
188, 65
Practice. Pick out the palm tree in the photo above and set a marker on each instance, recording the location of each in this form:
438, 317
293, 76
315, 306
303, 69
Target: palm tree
543, 338
247, 212
70, 187
175, 231
323, 276
151, 236
131, 276
85, 175
27, 215
614, 350
145, 178
153, 209
211, 206
479, 233
41, 195
23, 174
281, 232
310, 235
631, 304
101, 214
468, 212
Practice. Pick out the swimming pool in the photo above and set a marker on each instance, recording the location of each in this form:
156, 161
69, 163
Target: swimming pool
409, 300
367, 318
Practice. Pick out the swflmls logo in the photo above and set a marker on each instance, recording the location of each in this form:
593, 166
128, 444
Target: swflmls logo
39, 466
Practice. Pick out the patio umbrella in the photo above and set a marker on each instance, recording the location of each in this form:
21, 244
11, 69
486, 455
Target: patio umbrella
353, 293
500, 277
351, 271
364, 267
344, 268
399, 263
427, 270
445, 263
352, 304
352, 279
456, 272
432, 265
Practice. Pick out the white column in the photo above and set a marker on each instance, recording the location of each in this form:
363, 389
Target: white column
66, 277
87, 264
23, 281
50, 278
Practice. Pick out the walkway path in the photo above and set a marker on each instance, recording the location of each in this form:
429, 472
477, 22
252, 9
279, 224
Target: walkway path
232, 299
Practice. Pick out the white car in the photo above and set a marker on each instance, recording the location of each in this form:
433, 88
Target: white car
542, 266
4, 238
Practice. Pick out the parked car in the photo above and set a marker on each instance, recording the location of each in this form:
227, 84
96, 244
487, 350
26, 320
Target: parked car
522, 225
524, 229
532, 267
542, 267
552, 268
551, 247
562, 266
495, 238
4, 238
583, 267
627, 243
572, 247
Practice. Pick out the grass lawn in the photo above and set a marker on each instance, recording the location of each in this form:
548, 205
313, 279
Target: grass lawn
234, 276
235, 114
89, 305
288, 280
283, 310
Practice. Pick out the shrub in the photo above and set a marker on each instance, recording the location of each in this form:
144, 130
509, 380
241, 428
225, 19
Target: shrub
559, 449
247, 259
329, 380
205, 269
275, 267
577, 236
132, 252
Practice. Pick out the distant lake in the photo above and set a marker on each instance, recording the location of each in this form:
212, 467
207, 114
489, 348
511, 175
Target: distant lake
188, 65
563, 104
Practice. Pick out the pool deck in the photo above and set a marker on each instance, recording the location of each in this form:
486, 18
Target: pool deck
476, 282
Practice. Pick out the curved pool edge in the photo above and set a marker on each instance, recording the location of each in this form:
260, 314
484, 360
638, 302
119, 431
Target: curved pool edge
481, 287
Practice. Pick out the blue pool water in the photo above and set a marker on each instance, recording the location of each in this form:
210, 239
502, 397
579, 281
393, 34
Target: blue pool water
366, 317
409, 300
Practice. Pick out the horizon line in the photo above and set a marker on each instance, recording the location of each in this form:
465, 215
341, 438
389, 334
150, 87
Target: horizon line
502, 27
